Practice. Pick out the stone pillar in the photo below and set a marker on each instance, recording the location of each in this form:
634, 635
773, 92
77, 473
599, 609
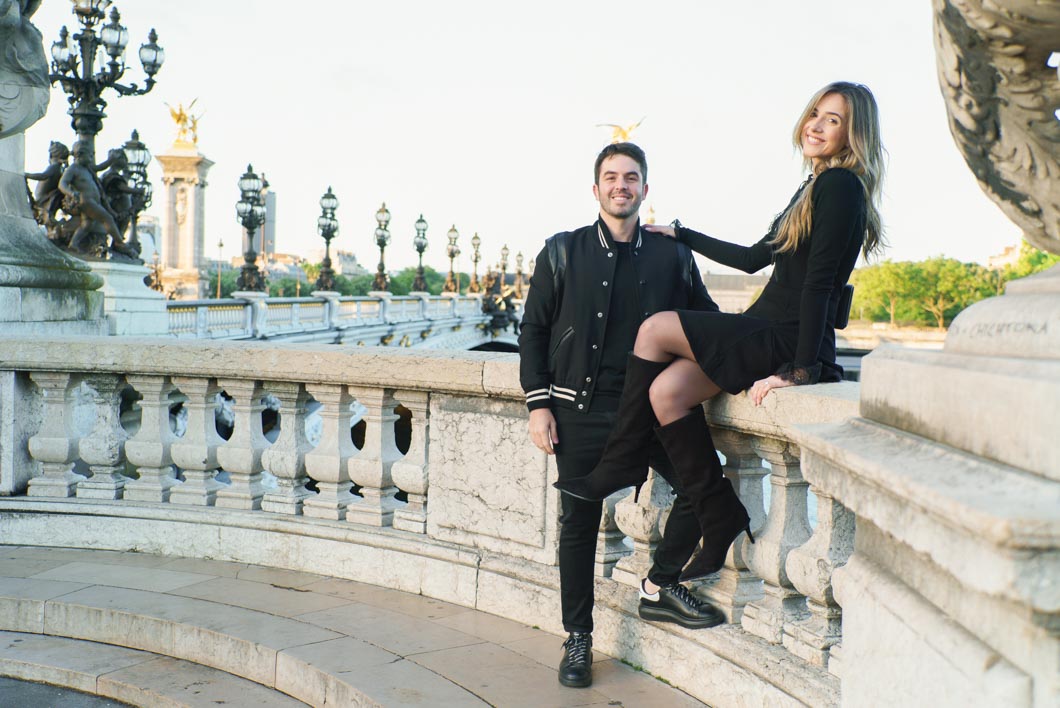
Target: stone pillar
196, 452
810, 569
328, 462
103, 449
259, 311
371, 467
787, 527
149, 450
55, 446
610, 543
410, 473
240, 456
183, 245
643, 522
735, 585
286, 457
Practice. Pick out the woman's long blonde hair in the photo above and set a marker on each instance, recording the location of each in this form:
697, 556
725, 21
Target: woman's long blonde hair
863, 156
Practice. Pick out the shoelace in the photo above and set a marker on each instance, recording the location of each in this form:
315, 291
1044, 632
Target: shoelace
682, 593
577, 646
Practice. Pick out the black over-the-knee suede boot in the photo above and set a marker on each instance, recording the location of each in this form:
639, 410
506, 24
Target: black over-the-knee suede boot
625, 459
721, 514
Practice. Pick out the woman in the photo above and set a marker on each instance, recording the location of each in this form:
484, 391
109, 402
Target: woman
785, 338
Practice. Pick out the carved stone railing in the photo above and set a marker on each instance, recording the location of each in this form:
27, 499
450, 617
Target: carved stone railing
419, 320
411, 469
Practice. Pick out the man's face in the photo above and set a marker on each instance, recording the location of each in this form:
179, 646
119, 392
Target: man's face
621, 188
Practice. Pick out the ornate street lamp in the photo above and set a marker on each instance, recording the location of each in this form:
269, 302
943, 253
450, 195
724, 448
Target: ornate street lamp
504, 266
452, 250
328, 228
137, 157
519, 275
420, 242
475, 258
382, 239
74, 65
250, 212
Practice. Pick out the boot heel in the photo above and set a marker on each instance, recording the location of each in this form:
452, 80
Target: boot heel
749, 534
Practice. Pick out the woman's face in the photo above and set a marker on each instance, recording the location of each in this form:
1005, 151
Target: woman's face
824, 134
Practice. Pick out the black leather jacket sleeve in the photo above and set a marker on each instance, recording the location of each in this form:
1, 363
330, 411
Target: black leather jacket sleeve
539, 311
700, 298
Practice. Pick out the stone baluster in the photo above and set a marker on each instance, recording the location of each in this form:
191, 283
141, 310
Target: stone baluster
55, 445
103, 449
327, 463
240, 456
196, 453
810, 569
286, 458
610, 543
735, 585
410, 473
149, 450
787, 527
371, 467
643, 522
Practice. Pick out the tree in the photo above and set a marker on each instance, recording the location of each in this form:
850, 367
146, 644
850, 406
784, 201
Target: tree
1031, 261
228, 283
948, 286
887, 290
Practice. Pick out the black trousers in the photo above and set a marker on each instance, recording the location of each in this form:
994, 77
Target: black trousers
581, 443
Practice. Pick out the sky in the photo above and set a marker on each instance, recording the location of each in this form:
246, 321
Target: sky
483, 115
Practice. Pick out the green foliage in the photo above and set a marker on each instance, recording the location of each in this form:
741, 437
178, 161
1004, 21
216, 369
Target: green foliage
289, 287
1031, 261
228, 283
933, 291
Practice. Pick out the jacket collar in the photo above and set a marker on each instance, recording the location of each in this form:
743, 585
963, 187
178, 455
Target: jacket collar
606, 240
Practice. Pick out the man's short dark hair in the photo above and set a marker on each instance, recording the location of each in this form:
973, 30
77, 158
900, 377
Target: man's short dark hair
629, 150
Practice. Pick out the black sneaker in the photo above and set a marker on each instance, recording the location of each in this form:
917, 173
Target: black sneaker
576, 668
675, 603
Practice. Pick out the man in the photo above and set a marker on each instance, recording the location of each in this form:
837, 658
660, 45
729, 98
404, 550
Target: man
590, 291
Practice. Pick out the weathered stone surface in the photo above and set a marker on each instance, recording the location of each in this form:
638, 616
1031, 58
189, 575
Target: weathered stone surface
941, 396
63, 662
917, 655
489, 486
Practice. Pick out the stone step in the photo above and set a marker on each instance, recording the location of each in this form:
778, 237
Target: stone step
138, 678
322, 641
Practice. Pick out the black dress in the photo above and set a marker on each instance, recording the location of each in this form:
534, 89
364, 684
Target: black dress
790, 328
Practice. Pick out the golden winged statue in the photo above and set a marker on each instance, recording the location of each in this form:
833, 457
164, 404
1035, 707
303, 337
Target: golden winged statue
187, 124
619, 133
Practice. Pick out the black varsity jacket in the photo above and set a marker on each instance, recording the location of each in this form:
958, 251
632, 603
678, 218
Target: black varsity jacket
564, 322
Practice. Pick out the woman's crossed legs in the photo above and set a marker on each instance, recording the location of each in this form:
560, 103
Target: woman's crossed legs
682, 385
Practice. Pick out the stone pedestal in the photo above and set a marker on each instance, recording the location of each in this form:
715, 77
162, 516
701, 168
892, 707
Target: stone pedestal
43, 291
131, 307
953, 473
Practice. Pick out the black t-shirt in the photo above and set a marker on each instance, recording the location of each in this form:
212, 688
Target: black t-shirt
623, 320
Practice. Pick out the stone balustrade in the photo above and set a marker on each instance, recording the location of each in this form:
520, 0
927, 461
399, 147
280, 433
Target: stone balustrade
419, 320
412, 469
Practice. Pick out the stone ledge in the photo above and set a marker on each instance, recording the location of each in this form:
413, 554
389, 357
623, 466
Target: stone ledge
995, 528
128, 675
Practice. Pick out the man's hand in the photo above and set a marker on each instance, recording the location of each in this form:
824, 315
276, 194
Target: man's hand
543, 430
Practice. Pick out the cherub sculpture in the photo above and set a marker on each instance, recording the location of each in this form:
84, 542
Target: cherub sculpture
84, 199
47, 199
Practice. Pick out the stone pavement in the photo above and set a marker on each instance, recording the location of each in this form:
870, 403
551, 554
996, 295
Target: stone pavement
161, 630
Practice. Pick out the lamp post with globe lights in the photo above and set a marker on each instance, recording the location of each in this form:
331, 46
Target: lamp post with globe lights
74, 65
328, 227
250, 211
420, 242
137, 158
504, 266
382, 239
519, 275
475, 287
452, 250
